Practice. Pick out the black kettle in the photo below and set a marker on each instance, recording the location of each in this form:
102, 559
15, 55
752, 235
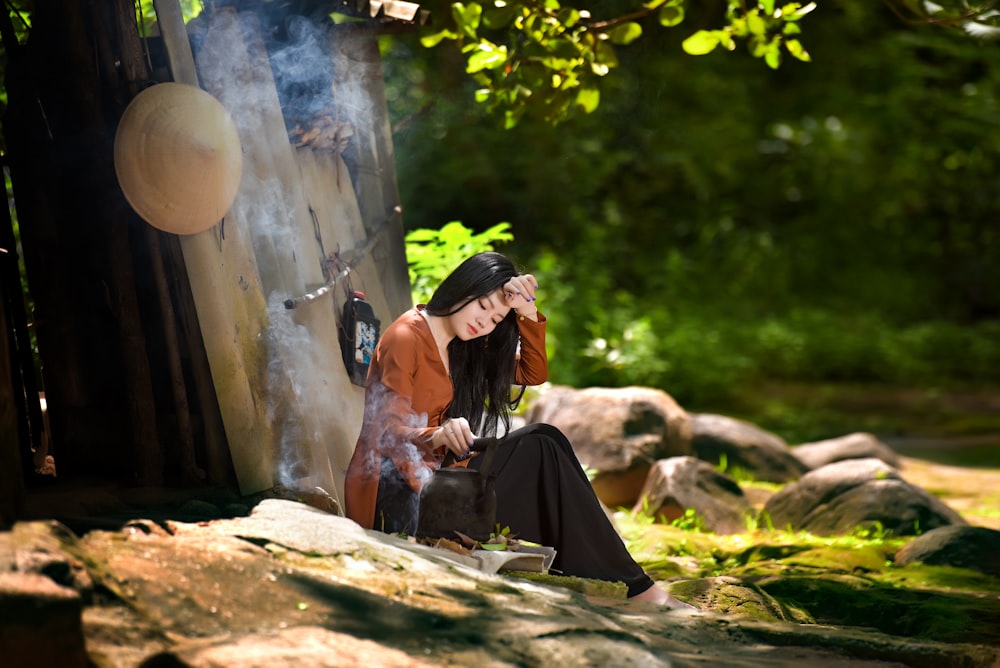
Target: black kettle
460, 500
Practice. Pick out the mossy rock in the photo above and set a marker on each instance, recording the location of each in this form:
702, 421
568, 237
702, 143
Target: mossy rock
732, 596
862, 559
939, 614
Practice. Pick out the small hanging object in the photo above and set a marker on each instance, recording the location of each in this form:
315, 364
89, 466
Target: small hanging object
358, 337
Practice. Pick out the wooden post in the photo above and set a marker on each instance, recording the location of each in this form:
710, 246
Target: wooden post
11, 474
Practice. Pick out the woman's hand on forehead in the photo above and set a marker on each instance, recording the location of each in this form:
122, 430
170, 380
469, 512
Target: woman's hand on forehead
520, 290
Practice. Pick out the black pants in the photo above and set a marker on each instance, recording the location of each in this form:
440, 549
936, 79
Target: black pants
544, 496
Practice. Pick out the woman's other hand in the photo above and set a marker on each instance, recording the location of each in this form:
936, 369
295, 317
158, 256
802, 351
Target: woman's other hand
521, 294
456, 435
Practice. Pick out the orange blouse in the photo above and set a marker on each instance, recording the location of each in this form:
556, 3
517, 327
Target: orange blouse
407, 394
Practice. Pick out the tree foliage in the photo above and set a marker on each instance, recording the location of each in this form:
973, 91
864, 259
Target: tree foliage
546, 58
541, 56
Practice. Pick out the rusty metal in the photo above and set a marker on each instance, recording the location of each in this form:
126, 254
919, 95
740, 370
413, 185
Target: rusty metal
334, 259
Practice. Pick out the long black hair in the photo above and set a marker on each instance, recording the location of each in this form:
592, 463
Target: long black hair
482, 369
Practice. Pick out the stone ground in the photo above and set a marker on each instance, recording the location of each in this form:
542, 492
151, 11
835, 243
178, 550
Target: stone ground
293, 586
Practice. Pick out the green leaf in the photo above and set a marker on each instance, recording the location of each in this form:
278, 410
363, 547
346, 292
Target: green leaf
605, 58
563, 48
588, 98
773, 58
768, 6
625, 33
422, 235
430, 41
755, 24
795, 48
467, 17
671, 15
795, 11
487, 56
738, 27
569, 16
499, 17
511, 117
559, 64
498, 233
700, 43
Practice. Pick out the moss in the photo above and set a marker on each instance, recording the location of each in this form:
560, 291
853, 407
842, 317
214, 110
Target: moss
943, 578
731, 596
862, 559
601, 588
848, 600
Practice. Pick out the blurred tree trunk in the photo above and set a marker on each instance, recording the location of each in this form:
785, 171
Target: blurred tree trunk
66, 89
11, 480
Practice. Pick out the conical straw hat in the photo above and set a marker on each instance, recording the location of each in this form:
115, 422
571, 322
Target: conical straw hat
178, 158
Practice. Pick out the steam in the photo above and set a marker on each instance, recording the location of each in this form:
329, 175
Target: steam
294, 359
303, 71
388, 415
254, 69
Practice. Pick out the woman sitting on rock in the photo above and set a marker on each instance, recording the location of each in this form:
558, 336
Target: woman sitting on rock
444, 370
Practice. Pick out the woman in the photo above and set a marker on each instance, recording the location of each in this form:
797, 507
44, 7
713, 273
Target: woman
443, 373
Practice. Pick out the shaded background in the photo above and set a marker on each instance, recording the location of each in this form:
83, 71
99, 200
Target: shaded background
814, 248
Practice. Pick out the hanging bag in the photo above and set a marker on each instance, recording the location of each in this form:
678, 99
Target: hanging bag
460, 499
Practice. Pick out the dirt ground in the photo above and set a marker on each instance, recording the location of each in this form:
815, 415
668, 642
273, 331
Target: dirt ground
972, 492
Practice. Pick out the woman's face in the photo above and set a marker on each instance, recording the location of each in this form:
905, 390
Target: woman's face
480, 316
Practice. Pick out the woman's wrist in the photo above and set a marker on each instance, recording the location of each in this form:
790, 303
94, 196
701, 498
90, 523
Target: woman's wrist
531, 313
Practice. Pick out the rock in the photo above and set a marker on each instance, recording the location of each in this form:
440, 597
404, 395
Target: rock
743, 446
40, 551
196, 509
859, 445
732, 596
868, 493
40, 623
619, 432
287, 648
679, 483
961, 546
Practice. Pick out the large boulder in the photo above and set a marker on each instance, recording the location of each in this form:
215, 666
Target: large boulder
961, 546
859, 445
857, 493
617, 432
680, 483
743, 445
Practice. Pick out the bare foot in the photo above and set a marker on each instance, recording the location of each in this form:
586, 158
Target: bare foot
656, 594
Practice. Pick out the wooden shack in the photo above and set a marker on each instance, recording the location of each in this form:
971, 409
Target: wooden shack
242, 374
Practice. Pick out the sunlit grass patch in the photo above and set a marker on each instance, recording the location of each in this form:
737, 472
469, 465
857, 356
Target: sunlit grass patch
847, 580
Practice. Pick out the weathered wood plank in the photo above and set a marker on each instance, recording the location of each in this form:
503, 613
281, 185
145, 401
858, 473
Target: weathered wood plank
231, 309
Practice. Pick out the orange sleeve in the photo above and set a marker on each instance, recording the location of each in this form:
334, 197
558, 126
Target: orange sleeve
533, 361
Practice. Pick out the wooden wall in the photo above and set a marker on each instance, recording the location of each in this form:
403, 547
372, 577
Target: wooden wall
290, 412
